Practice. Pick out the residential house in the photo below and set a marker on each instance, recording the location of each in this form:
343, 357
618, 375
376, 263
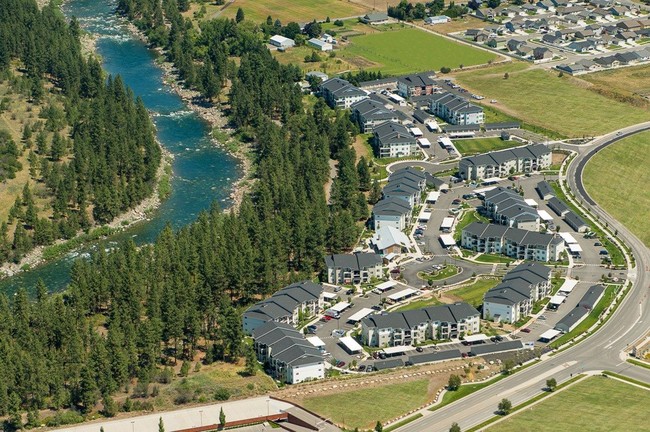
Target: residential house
504, 163
629, 25
627, 58
375, 18
354, 268
515, 296
369, 113
524, 50
393, 140
414, 327
506, 207
576, 222
393, 212
389, 240
619, 11
582, 46
552, 39
583, 34
287, 355
415, 85
455, 109
512, 242
542, 54
546, 5
340, 93
513, 44
287, 305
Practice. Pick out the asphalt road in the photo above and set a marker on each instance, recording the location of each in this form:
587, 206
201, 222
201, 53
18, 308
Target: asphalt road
601, 351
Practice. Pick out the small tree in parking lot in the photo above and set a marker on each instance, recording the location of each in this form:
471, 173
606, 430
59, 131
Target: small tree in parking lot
454, 382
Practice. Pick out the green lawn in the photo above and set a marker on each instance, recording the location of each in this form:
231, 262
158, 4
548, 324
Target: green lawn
363, 408
418, 304
498, 259
447, 272
483, 145
409, 50
564, 105
594, 404
473, 293
617, 179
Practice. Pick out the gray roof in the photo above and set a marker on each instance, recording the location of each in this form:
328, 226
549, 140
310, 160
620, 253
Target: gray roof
388, 364
340, 88
421, 116
376, 16
516, 235
544, 190
355, 261
416, 80
461, 128
430, 357
390, 132
391, 207
591, 297
490, 348
499, 157
451, 313
285, 301
574, 221
570, 319
265, 330
504, 125
557, 206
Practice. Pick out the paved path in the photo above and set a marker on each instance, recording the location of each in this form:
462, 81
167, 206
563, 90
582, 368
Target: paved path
188, 417
600, 351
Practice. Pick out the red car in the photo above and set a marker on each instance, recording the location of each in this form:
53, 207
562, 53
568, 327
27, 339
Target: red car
525, 330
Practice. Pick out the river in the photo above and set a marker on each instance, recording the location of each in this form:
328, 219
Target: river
203, 173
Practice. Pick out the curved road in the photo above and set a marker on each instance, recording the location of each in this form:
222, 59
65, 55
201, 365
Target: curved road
602, 350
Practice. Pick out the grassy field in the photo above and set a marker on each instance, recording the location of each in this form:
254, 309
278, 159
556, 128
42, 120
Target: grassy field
363, 408
630, 84
482, 145
473, 293
594, 404
617, 178
564, 105
418, 304
498, 259
410, 50
294, 10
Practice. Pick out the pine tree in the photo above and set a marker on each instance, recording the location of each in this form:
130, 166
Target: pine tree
251, 361
364, 174
375, 193
240, 15
222, 418
161, 425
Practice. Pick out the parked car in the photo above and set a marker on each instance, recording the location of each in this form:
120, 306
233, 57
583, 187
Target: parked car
370, 368
525, 330
419, 349
337, 289
464, 355
311, 329
376, 307
598, 244
338, 333
603, 252
408, 363
456, 201
350, 291
340, 364
362, 368
382, 356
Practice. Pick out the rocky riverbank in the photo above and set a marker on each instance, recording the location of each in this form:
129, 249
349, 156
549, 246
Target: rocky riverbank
213, 114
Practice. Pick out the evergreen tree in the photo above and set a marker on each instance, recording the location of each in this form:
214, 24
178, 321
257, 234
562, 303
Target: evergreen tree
363, 173
240, 15
375, 192
222, 418
161, 425
251, 361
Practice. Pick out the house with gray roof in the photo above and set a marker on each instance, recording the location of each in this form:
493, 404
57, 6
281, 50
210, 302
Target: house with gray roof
339, 93
512, 242
417, 326
393, 140
394, 212
368, 113
287, 354
582, 309
285, 306
375, 18
355, 268
558, 206
515, 296
576, 222
506, 207
403, 188
545, 190
504, 163
456, 110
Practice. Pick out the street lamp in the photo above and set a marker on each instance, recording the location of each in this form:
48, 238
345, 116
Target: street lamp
268, 413
201, 413
133, 426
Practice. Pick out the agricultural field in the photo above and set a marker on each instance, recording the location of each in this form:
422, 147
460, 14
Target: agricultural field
473, 293
617, 179
294, 10
406, 50
594, 404
542, 98
483, 145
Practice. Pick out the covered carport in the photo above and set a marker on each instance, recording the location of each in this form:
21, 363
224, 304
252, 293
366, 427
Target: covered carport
447, 240
556, 301
350, 345
478, 338
358, 316
397, 350
403, 295
549, 335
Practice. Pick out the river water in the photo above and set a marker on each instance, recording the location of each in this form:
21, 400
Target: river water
203, 173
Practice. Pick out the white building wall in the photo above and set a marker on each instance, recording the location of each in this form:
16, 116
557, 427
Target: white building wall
397, 222
508, 314
299, 374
